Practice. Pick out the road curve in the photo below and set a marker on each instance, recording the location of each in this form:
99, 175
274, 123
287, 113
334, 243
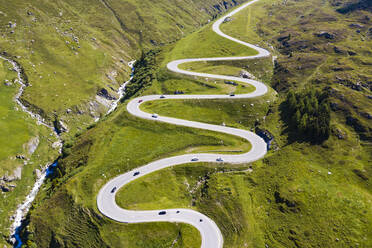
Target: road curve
210, 233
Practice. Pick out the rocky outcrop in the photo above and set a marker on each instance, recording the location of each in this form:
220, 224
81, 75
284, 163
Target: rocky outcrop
245, 74
59, 126
32, 145
324, 34
105, 94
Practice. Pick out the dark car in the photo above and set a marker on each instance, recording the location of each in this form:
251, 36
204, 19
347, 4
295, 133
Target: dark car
232, 94
201, 220
162, 96
177, 212
113, 189
136, 173
139, 101
219, 160
162, 212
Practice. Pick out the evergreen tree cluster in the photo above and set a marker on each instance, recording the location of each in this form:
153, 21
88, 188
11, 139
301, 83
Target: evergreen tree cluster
310, 114
144, 73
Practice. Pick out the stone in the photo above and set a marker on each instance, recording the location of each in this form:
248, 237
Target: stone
326, 35
105, 94
227, 19
245, 74
20, 157
17, 173
356, 25
32, 145
4, 188
37, 173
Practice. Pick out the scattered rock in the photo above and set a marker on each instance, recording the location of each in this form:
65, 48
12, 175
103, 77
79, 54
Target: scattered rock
227, 19
326, 35
4, 188
20, 157
245, 74
37, 173
56, 145
12, 25
339, 133
339, 50
17, 173
356, 25
59, 126
105, 94
32, 145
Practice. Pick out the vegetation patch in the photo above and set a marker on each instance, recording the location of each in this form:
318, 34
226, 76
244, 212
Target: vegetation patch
310, 114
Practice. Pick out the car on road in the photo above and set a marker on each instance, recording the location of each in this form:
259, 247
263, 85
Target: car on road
219, 160
139, 101
177, 212
232, 94
162, 212
201, 220
194, 159
113, 189
154, 115
136, 173
162, 96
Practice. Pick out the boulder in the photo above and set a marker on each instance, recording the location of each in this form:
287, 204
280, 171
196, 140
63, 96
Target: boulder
227, 19
32, 145
59, 126
20, 157
17, 173
4, 188
339, 133
326, 35
356, 25
105, 94
37, 173
245, 74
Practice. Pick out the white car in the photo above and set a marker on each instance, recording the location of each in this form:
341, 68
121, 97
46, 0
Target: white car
154, 115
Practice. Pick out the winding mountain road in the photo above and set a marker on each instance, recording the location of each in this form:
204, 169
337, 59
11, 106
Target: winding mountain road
210, 233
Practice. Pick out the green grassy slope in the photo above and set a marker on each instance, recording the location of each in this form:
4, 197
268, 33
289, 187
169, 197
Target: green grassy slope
70, 50
299, 195
18, 130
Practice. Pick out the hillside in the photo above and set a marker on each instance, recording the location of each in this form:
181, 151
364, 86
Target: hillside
308, 191
74, 57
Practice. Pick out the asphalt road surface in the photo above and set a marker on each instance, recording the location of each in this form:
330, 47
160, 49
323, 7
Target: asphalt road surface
210, 233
